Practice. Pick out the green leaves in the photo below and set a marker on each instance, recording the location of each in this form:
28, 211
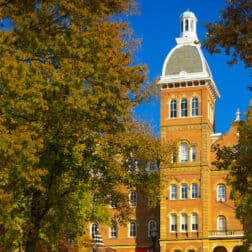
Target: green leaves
232, 32
67, 89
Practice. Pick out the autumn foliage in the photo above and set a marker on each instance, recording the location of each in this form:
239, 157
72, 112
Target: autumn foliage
68, 86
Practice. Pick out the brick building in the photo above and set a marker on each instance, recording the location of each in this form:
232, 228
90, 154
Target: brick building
195, 212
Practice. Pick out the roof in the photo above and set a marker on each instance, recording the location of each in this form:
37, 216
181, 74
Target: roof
185, 58
188, 14
186, 62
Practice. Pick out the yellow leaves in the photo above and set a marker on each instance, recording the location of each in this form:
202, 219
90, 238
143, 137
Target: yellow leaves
66, 73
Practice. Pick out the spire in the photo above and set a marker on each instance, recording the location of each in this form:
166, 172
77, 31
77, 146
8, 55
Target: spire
188, 28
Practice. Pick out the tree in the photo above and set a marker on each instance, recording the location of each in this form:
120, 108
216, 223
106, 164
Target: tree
232, 32
68, 87
237, 159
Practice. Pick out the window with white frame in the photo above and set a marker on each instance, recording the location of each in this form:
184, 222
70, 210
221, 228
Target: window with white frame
132, 229
194, 191
194, 222
183, 108
152, 226
173, 192
113, 229
94, 229
183, 222
221, 192
195, 106
193, 153
183, 152
133, 198
173, 222
184, 191
221, 223
173, 108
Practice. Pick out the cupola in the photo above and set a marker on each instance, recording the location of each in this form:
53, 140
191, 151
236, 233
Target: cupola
188, 26
185, 63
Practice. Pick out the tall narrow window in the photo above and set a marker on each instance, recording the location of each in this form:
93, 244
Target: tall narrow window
132, 229
94, 229
183, 152
184, 191
195, 106
221, 223
194, 222
186, 25
133, 198
113, 229
183, 107
221, 192
183, 223
173, 192
194, 191
173, 222
193, 153
173, 108
152, 226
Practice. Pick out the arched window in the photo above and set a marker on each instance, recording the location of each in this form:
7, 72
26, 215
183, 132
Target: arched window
173, 192
132, 229
221, 223
152, 226
184, 191
195, 106
173, 108
173, 223
113, 229
183, 222
194, 222
186, 25
94, 229
183, 107
184, 152
221, 192
194, 191
133, 198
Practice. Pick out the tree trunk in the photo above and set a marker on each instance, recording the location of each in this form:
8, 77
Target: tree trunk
30, 245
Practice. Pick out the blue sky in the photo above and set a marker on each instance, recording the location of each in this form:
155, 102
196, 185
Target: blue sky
158, 25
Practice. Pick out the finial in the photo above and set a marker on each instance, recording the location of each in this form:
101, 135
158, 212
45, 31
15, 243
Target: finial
238, 113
